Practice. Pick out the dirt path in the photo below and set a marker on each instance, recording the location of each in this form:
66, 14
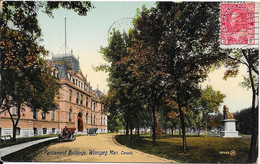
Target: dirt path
100, 148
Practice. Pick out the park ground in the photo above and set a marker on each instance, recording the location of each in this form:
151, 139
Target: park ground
209, 149
111, 148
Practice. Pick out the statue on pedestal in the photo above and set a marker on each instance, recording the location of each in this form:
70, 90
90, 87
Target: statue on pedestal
229, 128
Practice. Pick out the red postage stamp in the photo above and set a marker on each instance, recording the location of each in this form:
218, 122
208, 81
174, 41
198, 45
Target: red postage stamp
237, 23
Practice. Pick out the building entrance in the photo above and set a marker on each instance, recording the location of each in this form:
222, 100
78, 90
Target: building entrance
80, 122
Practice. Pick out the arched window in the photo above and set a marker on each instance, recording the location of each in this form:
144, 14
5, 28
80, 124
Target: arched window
70, 95
86, 101
86, 118
53, 130
18, 131
44, 131
35, 131
77, 98
81, 99
52, 114
14, 111
70, 114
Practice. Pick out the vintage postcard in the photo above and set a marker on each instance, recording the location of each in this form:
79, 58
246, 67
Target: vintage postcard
129, 81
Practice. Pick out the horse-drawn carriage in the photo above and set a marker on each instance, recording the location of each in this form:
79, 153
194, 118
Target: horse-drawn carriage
92, 131
67, 134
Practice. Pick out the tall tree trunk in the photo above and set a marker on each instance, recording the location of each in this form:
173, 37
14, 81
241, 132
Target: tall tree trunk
165, 127
184, 143
15, 121
127, 128
252, 154
198, 128
206, 129
179, 131
131, 131
154, 125
172, 130
138, 133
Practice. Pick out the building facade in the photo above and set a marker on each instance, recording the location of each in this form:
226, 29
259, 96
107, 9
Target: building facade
79, 106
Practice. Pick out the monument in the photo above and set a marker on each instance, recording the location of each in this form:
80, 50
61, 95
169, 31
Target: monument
229, 129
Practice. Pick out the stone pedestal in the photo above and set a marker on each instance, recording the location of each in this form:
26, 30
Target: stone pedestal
229, 129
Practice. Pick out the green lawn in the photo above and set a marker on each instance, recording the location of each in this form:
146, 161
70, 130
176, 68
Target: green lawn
200, 149
23, 140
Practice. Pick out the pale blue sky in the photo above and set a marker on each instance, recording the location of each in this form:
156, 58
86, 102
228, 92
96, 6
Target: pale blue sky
85, 35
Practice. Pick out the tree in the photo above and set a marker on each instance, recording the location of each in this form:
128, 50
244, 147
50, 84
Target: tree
19, 25
249, 58
25, 78
171, 59
208, 103
244, 124
32, 86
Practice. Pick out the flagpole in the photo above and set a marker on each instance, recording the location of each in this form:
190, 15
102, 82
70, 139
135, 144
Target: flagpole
65, 38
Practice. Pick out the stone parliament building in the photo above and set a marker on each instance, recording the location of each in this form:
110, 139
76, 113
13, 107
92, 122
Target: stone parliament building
79, 106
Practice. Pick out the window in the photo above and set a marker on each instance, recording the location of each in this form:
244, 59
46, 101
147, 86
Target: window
0, 131
81, 85
35, 131
53, 130
70, 115
14, 111
101, 120
44, 131
77, 98
91, 119
86, 101
94, 106
73, 81
86, 118
81, 99
44, 116
52, 114
34, 114
91, 105
94, 120
76, 82
18, 131
70, 95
